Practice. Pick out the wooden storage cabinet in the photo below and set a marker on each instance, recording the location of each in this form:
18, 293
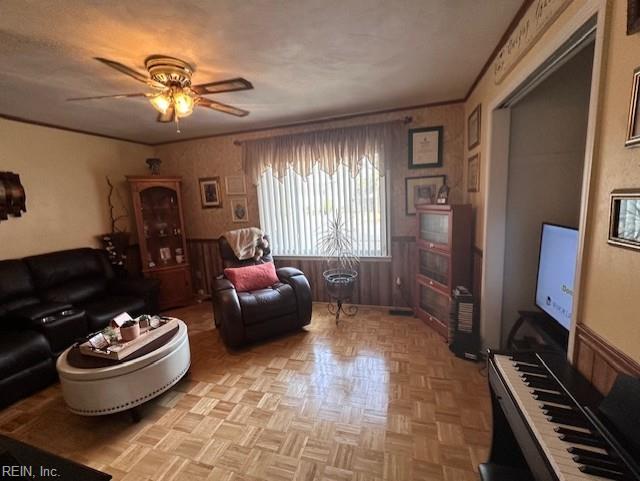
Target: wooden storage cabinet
444, 260
157, 202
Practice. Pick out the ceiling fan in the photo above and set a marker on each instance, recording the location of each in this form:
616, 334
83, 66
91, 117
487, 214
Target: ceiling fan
172, 94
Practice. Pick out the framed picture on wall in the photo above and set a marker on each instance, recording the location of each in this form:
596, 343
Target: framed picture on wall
422, 190
633, 16
425, 147
239, 210
235, 185
210, 192
473, 128
625, 218
633, 127
473, 173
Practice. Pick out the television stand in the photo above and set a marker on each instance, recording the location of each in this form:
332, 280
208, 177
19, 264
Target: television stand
547, 334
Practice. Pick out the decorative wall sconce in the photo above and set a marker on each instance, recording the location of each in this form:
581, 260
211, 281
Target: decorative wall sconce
12, 196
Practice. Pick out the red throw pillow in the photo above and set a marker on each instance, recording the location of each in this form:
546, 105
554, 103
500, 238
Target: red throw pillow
252, 278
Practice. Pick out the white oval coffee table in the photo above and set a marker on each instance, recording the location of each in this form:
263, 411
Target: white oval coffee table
121, 387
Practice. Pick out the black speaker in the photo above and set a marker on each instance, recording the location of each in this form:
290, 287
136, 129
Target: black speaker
464, 335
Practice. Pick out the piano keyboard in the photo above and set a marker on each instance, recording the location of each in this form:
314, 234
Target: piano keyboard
574, 448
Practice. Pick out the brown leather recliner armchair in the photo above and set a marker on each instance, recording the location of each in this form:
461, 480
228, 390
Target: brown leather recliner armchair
245, 317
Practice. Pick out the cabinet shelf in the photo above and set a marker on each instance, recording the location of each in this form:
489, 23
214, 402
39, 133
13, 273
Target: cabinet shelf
444, 260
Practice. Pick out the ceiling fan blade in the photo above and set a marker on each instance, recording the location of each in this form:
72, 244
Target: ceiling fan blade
117, 96
227, 109
168, 116
134, 74
231, 85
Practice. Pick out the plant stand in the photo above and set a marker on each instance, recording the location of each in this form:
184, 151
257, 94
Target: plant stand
340, 284
350, 311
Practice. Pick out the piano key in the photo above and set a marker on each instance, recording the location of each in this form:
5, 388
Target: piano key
605, 473
555, 409
575, 432
584, 440
543, 384
530, 369
568, 421
554, 449
598, 463
591, 454
548, 397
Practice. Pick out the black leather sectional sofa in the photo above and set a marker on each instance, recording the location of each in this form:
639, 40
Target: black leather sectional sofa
50, 300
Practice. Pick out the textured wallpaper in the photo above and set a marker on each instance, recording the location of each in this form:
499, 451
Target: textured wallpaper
219, 156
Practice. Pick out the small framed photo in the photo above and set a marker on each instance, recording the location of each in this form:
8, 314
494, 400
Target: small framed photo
234, 185
633, 127
239, 210
473, 173
473, 128
422, 190
425, 147
625, 218
633, 16
210, 192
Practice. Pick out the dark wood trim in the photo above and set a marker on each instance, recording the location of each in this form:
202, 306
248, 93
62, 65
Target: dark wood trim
403, 238
69, 129
317, 121
512, 26
599, 361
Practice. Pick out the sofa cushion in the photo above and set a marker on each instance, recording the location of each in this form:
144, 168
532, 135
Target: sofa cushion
16, 286
20, 350
264, 304
56, 268
252, 278
102, 309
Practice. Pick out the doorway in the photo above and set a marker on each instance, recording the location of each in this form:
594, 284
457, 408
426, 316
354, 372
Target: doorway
546, 161
583, 32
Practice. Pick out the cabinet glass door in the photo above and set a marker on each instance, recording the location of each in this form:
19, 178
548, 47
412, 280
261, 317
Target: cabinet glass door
434, 266
434, 228
162, 227
434, 303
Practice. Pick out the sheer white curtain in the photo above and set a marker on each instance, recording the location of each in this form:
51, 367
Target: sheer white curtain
304, 180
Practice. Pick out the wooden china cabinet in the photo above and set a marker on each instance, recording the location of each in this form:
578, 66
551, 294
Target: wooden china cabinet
444, 260
157, 203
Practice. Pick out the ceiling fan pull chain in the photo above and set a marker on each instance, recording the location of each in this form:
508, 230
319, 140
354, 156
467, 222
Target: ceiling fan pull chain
177, 123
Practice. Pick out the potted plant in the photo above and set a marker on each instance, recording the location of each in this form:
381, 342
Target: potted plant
116, 242
130, 330
337, 246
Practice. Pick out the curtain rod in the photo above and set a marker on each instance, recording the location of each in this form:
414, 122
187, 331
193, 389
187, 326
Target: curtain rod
406, 120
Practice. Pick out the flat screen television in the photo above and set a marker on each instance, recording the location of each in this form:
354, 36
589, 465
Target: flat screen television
556, 272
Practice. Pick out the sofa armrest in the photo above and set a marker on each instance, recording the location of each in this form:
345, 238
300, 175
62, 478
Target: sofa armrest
38, 311
145, 288
135, 287
222, 284
227, 312
298, 281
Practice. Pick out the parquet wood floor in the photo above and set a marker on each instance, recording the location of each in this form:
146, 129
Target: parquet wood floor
376, 398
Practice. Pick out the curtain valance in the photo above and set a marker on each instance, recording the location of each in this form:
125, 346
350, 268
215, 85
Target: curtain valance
327, 148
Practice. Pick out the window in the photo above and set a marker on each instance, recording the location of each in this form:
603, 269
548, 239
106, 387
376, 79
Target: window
295, 210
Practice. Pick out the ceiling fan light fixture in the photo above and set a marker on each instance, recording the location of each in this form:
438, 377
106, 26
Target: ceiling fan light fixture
161, 102
183, 102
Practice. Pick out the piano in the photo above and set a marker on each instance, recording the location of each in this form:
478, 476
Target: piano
550, 424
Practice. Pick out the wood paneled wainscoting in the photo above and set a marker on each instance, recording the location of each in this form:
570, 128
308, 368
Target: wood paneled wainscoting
376, 283
600, 362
